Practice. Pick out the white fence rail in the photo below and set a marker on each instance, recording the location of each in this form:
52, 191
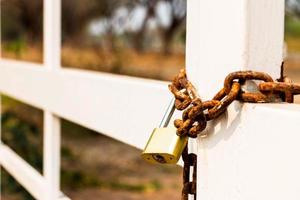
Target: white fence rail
110, 104
96, 100
250, 153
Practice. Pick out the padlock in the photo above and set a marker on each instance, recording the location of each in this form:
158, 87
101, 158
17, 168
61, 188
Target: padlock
164, 145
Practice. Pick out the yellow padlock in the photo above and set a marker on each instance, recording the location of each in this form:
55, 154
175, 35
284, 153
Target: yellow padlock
164, 145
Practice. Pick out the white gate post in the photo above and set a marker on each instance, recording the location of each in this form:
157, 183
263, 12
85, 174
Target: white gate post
222, 37
226, 36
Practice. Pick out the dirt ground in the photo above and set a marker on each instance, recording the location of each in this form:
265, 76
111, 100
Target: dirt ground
292, 70
117, 169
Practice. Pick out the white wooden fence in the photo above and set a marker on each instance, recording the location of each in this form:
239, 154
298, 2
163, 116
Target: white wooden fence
250, 153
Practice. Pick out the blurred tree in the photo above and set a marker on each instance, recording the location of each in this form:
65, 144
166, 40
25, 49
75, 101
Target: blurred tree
178, 17
21, 18
293, 8
77, 14
139, 35
169, 15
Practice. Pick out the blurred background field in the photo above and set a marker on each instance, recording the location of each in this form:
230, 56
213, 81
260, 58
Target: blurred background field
93, 166
131, 37
139, 38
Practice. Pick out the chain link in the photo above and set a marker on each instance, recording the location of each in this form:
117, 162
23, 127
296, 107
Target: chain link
196, 113
189, 187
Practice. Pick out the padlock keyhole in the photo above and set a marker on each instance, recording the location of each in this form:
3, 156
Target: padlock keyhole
159, 158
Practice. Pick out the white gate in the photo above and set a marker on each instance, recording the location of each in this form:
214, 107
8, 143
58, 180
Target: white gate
250, 153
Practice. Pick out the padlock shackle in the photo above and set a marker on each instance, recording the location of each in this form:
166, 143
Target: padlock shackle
168, 114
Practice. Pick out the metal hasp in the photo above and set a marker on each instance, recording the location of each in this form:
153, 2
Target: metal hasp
164, 145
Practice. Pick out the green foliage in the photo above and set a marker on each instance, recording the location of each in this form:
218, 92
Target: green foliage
10, 186
75, 179
16, 46
292, 27
67, 154
21, 18
133, 187
21, 137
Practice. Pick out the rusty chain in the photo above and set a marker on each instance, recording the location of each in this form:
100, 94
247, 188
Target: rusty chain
196, 113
